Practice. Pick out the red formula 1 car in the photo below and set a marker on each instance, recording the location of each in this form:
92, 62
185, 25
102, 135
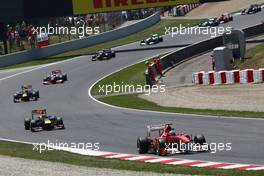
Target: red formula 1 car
224, 18
168, 142
56, 77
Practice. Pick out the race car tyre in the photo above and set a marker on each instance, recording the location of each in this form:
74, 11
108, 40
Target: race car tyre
27, 123
199, 139
35, 98
65, 78
161, 147
161, 39
37, 94
15, 100
60, 122
142, 145
32, 125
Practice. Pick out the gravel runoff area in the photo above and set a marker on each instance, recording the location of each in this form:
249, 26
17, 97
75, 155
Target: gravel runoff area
218, 8
23, 167
180, 92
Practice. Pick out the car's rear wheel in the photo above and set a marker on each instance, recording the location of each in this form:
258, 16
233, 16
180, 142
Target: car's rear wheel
37, 94
65, 78
142, 145
15, 100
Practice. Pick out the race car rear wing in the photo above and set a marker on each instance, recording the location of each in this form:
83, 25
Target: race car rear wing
56, 72
39, 112
158, 128
26, 87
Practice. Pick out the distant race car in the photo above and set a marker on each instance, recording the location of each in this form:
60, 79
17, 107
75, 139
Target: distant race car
105, 54
40, 121
254, 8
212, 22
153, 39
224, 18
168, 142
56, 77
26, 94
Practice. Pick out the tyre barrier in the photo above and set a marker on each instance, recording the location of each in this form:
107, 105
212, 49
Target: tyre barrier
182, 10
247, 76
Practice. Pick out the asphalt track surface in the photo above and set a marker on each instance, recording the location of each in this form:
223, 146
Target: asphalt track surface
115, 129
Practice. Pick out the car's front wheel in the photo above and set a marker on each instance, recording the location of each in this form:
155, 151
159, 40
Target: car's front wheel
32, 125
161, 147
199, 139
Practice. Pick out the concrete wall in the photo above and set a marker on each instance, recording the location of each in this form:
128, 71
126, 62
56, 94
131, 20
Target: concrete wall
55, 49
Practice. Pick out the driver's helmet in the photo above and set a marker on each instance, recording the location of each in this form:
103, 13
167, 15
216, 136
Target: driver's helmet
168, 127
172, 133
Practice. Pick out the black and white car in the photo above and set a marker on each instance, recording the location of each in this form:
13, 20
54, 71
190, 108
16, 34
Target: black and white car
153, 39
254, 8
56, 77
105, 54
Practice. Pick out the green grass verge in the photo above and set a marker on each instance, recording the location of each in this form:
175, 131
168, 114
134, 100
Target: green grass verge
25, 151
135, 102
157, 28
133, 75
254, 58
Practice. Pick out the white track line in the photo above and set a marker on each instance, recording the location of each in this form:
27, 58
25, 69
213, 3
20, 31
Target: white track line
233, 166
256, 168
180, 162
157, 112
40, 67
206, 164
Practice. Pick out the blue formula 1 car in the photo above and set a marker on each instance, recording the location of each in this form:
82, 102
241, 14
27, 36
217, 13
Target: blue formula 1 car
40, 121
26, 94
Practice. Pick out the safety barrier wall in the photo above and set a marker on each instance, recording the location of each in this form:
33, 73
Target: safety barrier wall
55, 49
229, 77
